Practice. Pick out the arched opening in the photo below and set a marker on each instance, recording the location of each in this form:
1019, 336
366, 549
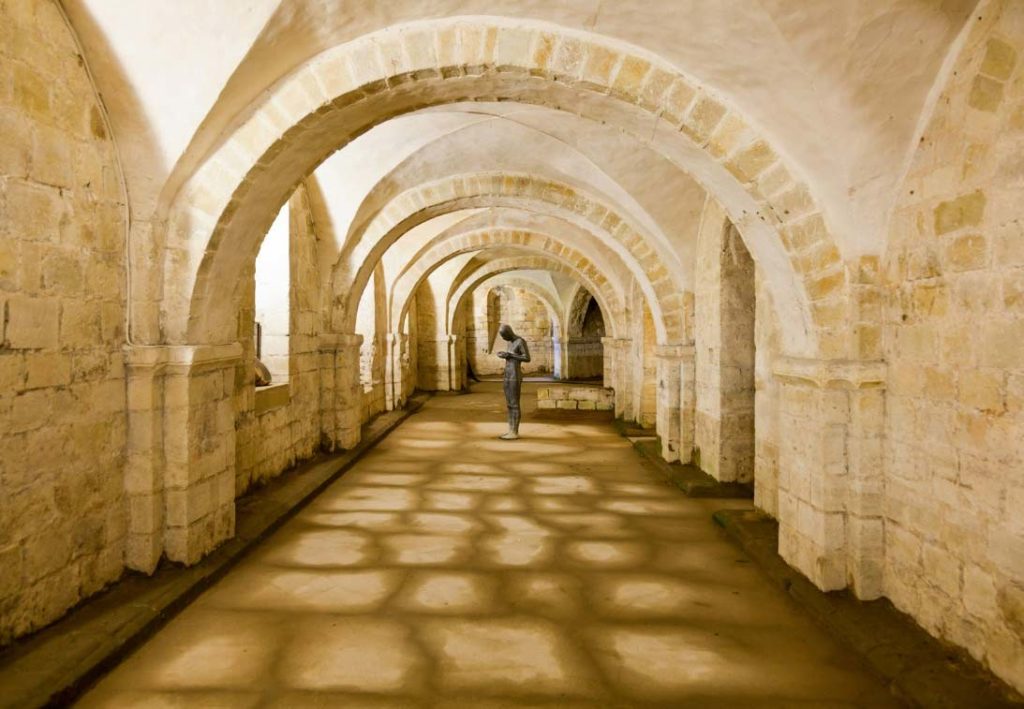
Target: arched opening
528, 314
731, 170
725, 355
271, 327
585, 354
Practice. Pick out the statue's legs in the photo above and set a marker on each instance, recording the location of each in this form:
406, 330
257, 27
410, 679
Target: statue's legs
513, 388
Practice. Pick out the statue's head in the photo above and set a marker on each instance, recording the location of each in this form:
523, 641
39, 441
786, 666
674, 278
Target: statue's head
507, 333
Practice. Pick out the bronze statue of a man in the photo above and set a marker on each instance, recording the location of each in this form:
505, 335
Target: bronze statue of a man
517, 353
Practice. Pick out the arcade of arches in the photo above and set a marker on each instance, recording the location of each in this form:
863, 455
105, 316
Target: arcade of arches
787, 237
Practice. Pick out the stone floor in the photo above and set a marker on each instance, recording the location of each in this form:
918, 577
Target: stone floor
451, 569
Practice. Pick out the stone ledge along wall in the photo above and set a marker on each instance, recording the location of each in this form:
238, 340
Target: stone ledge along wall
954, 343
576, 398
62, 296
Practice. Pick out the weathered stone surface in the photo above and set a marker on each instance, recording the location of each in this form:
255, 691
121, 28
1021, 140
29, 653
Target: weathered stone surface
951, 340
62, 432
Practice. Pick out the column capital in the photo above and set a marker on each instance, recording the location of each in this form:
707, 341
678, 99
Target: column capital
831, 373
329, 341
181, 356
670, 352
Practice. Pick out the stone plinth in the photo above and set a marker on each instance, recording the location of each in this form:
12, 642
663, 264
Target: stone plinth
341, 395
675, 404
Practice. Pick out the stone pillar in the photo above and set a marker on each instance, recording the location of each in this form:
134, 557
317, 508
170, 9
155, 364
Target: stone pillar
608, 352
617, 374
442, 365
180, 474
675, 366
341, 402
144, 467
397, 344
456, 354
831, 418
559, 358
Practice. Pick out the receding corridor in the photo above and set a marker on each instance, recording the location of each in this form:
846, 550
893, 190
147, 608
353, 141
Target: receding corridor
448, 568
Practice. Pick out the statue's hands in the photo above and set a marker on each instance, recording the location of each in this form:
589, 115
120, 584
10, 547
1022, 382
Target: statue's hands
503, 354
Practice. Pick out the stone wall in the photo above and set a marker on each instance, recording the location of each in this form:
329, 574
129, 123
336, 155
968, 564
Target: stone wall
954, 342
62, 297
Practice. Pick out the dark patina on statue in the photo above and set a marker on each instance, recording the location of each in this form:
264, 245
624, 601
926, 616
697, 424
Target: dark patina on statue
516, 354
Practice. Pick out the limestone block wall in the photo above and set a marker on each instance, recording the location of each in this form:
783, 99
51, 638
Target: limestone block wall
271, 440
528, 316
724, 340
954, 342
63, 520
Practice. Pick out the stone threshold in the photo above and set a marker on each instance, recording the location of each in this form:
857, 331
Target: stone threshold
56, 664
918, 668
693, 481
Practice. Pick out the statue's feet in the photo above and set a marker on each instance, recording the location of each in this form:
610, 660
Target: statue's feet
510, 436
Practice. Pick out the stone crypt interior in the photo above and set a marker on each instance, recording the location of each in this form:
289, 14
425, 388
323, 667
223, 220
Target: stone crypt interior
771, 246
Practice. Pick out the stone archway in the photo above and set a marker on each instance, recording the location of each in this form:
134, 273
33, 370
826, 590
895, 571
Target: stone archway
350, 88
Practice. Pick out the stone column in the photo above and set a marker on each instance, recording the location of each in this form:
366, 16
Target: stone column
456, 363
144, 467
180, 475
393, 396
608, 352
674, 425
831, 418
559, 358
617, 373
341, 395
435, 365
